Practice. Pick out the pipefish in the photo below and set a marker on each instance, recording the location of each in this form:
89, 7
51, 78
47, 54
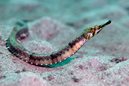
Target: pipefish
56, 59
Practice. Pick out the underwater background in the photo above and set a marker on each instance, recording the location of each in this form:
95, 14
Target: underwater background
102, 61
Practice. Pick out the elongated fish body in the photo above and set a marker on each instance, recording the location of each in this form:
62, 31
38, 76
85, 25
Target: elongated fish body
55, 59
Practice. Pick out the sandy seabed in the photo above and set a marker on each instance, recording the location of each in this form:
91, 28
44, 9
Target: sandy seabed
102, 61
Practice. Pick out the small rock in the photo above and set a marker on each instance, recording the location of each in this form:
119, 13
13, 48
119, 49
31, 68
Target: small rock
81, 67
75, 79
50, 77
118, 60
